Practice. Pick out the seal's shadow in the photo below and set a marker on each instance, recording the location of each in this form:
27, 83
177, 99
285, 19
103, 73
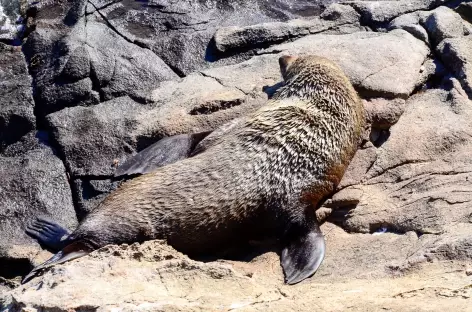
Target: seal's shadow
243, 252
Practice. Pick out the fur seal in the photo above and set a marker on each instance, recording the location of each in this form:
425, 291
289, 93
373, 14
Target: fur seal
265, 173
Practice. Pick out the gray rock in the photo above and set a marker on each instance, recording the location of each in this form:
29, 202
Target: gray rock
444, 23
119, 67
432, 71
77, 66
375, 13
83, 61
465, 11
411, 23
31, 141
456, 54
234, 37
33, 184
16, 99
90, 193
93, 139
340, 13
180, 32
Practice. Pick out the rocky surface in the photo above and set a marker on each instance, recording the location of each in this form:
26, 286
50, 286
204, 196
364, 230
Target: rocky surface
34, 184
10, 20
16, 110
154, 277
97, 81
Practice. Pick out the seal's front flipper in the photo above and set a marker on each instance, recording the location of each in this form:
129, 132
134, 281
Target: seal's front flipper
70, 252
302, 255
48, 233
164, 152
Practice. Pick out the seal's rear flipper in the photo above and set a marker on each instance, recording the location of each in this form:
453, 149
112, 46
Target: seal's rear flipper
48, 233
302, 256
164, 152
70, 252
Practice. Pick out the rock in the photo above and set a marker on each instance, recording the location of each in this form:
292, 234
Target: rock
411, 23
350, 197
341, 13
390, 70
465, 11
120, 67
375, 13
444, 23
9, 15
359, 166
468, 271
419, 180
250, 37
16, 109
180, 32
431, 73
91, 138
456, 55
453, 245
33, 184
171, 274
31, 141
155, 277
84, 61
383, 113
90, 193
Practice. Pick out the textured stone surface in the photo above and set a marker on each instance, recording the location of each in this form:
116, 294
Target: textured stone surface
378, 12
16, 100
84, 61
33, 184
234, 37
180, 32
419, 179
411, 23
383, 113
154, 277
456, 53
444, 23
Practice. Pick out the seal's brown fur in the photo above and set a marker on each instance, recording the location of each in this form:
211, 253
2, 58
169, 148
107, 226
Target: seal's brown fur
265, 174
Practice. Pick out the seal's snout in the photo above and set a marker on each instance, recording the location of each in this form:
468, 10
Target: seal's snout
285, 62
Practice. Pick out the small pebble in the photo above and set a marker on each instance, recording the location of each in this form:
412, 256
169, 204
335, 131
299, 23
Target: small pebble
468, 271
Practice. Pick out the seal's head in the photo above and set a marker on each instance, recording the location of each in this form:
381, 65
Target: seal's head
312, 77
308, 65
285, 62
